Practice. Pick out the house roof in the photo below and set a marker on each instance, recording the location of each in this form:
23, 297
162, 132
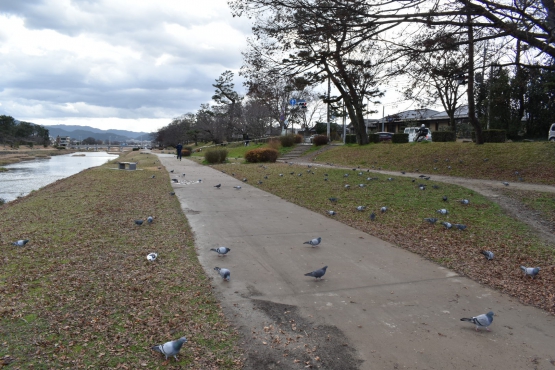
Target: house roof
460, 112
416, 114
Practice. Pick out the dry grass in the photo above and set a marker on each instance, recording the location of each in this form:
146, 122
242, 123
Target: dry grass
82, 294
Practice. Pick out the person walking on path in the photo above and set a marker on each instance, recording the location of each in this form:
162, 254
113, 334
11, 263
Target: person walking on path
179, 148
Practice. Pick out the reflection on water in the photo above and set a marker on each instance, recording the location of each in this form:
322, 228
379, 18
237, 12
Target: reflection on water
23, 177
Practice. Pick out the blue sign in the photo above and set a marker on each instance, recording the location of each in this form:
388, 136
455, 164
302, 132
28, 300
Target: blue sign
301, 101
292, 101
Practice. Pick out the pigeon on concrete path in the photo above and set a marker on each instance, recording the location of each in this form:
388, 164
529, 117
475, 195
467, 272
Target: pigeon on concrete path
170, 349
483, 320
318, 273
224, 273
222, 251
314, 242
218, 186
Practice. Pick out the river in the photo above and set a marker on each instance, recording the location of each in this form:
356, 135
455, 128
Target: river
26, 176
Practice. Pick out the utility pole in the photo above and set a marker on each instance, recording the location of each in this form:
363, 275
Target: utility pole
328, 119
344, 118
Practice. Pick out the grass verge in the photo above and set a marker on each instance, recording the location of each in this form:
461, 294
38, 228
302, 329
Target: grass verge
529, 162
82, 294
488, 227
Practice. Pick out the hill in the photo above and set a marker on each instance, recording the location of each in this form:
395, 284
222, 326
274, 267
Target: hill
83, 132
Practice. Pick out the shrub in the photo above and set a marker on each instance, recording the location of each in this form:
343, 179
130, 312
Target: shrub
350, 139
185, 153
320, 140
287, 140
261, 155
492, 136
373, 138
299, 139
400, 138
274, 143
135, 149
216, 155
444, 136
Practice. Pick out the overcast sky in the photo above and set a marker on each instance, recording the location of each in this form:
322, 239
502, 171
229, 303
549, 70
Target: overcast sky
126, 64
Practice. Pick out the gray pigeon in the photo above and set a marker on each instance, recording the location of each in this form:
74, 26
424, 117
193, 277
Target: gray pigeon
245, 180
152, 256
361, 208
171, 171
484, 320
318, 273
431, 220
447, 225
505, 183
383, 209
224, 273
372, 216
237, 187
222, 251
460, 226
314, 242
332, 199
443, 211
347, 186
150, 219
465, 201
175, 180
488, 255
444, 198
172, 193
360, 185
331, 213
170, 349
280, 175
218, 186
530, 271
422, 187
21, 242
138, 222
346, 175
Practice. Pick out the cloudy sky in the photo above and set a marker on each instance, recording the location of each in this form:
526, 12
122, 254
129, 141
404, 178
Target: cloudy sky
126, 64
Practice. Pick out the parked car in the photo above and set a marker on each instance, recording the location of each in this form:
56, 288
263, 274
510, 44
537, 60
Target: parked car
552, 133
385, 136
309, 139
413, 131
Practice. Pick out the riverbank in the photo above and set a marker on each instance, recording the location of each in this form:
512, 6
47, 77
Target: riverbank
18, 155
81, 293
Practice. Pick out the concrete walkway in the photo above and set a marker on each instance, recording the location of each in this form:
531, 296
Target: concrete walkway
394, 309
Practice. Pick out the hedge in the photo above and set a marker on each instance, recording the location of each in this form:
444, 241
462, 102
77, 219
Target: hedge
320, 140
400, 138
350, 139
187, 150
217, 155
492, 136
299, 139
444, 136
261, 155
373, 138
287, 140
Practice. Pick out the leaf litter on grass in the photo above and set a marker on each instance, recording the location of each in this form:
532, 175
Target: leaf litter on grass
488, 227
82, 294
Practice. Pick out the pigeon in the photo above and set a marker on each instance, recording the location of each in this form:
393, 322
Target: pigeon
347, 186
171, 171
484, 320
291, 173
318, 273
460, 226
21, 242
443, 211
232, 174
222, 251
368, 179
172, 193
372, 216
333, 199
361, 208
265, 177
383, 209
331, 213
314, 242
360, 185
530, 271
244, 180
447, 225
448, 167
153, 176
152, 256
175, 180
427, 178
170, 349
435, 186
237, 187
300, 174
346, 175
325, 174
444, 198
360, 173
326, 179
389, 179
150, 219
505, 183
224, 273
488, 255
431, 220
138, 222
403, 172
422, 187
259, 182
199, 180
218, 186
280, 175
465, 201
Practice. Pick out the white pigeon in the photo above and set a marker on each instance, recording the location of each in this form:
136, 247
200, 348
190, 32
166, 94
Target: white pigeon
170, 349
152, 256
314, 242
224, 273
222, 251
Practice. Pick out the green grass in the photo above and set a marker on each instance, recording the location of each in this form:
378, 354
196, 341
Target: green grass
534, 162
488, 226
81, 294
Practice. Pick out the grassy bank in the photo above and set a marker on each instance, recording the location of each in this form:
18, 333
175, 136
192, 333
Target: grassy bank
488, 227
15, 156
82, 294
531, 162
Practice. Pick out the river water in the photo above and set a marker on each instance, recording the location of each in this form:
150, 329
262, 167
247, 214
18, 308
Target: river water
26, 176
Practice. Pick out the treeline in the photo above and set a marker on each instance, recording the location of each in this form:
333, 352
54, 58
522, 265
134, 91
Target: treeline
22, 133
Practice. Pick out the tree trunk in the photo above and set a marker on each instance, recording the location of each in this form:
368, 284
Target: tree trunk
470, 91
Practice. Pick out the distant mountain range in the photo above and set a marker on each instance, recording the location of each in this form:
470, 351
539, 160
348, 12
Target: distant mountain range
83, 132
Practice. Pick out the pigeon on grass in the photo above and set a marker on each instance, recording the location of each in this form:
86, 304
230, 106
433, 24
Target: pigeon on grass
21, 242
361, 208
150, 219
483, 320
151, 257
383, 209
222, 251
317, 273
314, 242
332, 199
224, 273
372, 216
488, 255
447, 225
443, 211
138, 222
465, 201
332, 213
460, 226
431, 220
170, 349
530, 271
